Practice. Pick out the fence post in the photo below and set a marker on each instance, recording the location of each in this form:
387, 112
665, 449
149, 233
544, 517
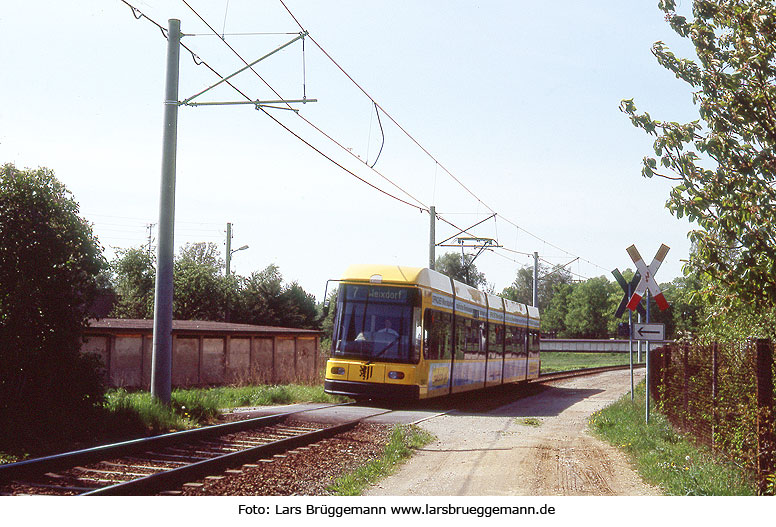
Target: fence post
665, 378
685, 384
765, 420
658, 377
714, 393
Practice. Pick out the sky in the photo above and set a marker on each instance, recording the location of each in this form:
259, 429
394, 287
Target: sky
510, 107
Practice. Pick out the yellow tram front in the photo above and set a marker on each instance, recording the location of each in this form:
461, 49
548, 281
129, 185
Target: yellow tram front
375, 346
411, 333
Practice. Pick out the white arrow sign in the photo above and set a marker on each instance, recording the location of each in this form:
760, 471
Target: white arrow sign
649, 331
648, 277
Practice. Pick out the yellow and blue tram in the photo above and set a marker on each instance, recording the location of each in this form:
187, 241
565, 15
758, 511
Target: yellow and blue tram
414, 333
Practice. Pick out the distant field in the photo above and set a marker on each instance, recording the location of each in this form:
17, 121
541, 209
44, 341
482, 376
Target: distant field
565, 360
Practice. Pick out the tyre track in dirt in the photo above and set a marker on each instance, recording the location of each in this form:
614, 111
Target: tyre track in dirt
502, 452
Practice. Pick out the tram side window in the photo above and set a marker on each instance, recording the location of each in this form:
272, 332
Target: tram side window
516, 342
533, 342
482, 328
437, 336
470, 338
495, 340
512, 345
461, 334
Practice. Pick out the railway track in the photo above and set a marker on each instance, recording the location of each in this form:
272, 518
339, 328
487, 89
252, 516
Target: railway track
558, 375
166, 462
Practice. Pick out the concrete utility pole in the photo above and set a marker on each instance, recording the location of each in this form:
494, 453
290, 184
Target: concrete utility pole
432, 238
536, 280
228, 247
161, 363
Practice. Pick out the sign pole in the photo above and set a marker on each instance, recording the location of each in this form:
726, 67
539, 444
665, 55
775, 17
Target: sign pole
630, 341
638, 358
649, 297
648, 285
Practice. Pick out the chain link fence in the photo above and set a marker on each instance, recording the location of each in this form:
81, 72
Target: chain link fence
723, 396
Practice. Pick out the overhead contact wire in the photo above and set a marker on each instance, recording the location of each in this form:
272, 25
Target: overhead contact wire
422, 205
467, 189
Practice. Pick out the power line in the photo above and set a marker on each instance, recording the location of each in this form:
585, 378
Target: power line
138, 15
467, 189
422, 206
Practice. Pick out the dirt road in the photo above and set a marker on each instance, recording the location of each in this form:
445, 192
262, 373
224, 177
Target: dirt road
535, 446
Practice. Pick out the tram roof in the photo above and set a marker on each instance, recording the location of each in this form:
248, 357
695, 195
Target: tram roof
404, 275
398, 274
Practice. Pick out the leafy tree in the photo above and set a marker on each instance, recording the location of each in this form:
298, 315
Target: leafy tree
200, 288
521, 289
49, 264
724, 162
450, 264
590, 306
300, 309
265, 300
134, 277
259, 297
327, 318
554, 315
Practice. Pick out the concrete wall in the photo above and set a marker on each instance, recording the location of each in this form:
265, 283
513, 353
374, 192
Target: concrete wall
209, 360
592, 345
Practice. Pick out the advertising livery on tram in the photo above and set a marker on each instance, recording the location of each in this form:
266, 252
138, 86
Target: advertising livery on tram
414, 333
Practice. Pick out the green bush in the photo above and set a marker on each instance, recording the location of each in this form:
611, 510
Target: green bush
49, 267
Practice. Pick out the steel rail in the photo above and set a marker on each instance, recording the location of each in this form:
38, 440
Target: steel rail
557, 375
12, 471
154, 483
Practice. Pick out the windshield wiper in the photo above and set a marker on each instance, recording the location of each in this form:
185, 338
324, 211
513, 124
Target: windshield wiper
388, 346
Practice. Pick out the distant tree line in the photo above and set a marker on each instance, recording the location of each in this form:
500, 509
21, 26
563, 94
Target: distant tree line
583, 309
204, 292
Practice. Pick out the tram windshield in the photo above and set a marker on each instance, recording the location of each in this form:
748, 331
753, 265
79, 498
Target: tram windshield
376, 323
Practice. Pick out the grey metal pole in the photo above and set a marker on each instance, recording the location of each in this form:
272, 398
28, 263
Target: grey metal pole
536, 280
228, 247
432, 238
638, 358
161, 364
649, 301
630, 341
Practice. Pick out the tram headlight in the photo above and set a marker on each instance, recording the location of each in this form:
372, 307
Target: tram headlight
338, 371
395, 375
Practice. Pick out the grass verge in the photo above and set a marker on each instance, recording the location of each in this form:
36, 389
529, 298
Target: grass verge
663, 457
127, 415
192, 407
404, 439
566, 360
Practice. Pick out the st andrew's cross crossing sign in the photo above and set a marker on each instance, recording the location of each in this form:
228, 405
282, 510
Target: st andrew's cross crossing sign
648, 277
627, 291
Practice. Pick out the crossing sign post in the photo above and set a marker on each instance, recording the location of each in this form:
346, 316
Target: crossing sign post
647, 284
627, 289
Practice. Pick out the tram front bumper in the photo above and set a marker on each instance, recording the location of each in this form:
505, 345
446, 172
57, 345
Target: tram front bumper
371, 390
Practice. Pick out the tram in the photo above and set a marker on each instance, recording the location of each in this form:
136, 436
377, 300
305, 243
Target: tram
414, 333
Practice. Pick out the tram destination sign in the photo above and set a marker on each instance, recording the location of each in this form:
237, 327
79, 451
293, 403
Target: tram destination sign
649, 331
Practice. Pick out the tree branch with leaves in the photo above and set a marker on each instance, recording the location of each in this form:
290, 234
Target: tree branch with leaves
725, 161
